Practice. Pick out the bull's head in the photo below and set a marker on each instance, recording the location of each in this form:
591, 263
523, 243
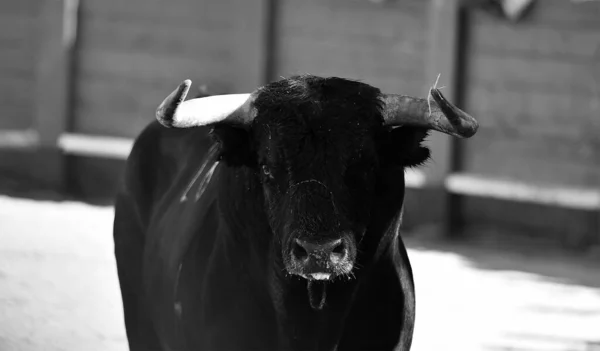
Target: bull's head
318, 146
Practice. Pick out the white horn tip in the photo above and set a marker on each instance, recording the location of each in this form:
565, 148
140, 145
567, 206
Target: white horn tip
184, 88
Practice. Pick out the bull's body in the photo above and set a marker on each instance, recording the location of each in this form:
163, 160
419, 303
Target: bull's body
270, 221
221, 289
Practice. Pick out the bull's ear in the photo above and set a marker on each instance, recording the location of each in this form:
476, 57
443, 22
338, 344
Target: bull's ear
404, 147
236, 145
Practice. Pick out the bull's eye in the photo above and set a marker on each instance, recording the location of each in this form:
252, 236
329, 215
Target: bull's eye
266, 171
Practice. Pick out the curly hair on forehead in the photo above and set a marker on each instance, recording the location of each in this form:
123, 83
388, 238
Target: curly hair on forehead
312, 97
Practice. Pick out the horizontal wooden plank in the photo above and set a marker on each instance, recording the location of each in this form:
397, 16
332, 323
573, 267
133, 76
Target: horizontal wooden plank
152, 6
19, 139
532, 113
140, 65
16, 99
16, 61
524, 220
115, 123
95, 145
504, 38
380, 24
24, 73
542, 73
181, 39
213, 15
12, 42
16, 116
163, 80
507, 189
16, 90
411, 7
118, 124
20, 8
393, 35
363, 11
86, 145
401, 54
547, 160
561, 13
582, 150
18, 27
120, 94
528, 169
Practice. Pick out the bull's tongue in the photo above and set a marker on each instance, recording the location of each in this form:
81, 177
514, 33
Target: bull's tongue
317, 292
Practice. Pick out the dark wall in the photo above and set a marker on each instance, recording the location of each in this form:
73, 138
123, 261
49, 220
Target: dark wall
535, 87
382, 44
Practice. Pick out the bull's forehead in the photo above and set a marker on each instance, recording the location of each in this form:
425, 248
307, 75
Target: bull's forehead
306, 119
317, 143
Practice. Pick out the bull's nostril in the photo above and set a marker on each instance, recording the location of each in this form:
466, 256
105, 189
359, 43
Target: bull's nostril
339, 248
298, 251
338, 252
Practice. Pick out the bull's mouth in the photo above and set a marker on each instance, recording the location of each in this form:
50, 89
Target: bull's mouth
317, 276
317, 293
320, 261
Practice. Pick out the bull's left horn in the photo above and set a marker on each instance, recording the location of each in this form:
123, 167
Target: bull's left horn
177, 113
439, 114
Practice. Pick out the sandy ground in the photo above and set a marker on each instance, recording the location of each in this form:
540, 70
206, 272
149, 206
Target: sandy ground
59, 289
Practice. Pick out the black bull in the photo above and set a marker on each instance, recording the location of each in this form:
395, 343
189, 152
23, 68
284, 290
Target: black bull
270, 221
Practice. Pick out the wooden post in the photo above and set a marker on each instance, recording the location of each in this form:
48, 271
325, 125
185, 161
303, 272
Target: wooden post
57, 35
270, 43
442, 60
251, 42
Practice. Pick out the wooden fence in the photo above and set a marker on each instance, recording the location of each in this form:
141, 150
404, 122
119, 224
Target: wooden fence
81, 78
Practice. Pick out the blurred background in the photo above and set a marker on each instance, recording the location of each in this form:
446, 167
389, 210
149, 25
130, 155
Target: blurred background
503, 229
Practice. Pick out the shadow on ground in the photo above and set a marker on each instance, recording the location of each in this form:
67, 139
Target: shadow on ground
496, 251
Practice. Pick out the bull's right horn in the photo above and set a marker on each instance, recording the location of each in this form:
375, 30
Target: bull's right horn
439, 114
174, 112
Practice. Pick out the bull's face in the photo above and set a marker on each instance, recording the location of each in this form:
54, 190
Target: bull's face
317, 160
319, 146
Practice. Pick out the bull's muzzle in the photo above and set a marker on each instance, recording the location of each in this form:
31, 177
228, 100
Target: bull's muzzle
322, 259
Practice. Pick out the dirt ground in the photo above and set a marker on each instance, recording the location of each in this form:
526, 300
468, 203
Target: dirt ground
59, 289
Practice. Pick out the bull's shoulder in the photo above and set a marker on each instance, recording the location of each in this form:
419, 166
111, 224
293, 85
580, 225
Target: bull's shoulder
158, 155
